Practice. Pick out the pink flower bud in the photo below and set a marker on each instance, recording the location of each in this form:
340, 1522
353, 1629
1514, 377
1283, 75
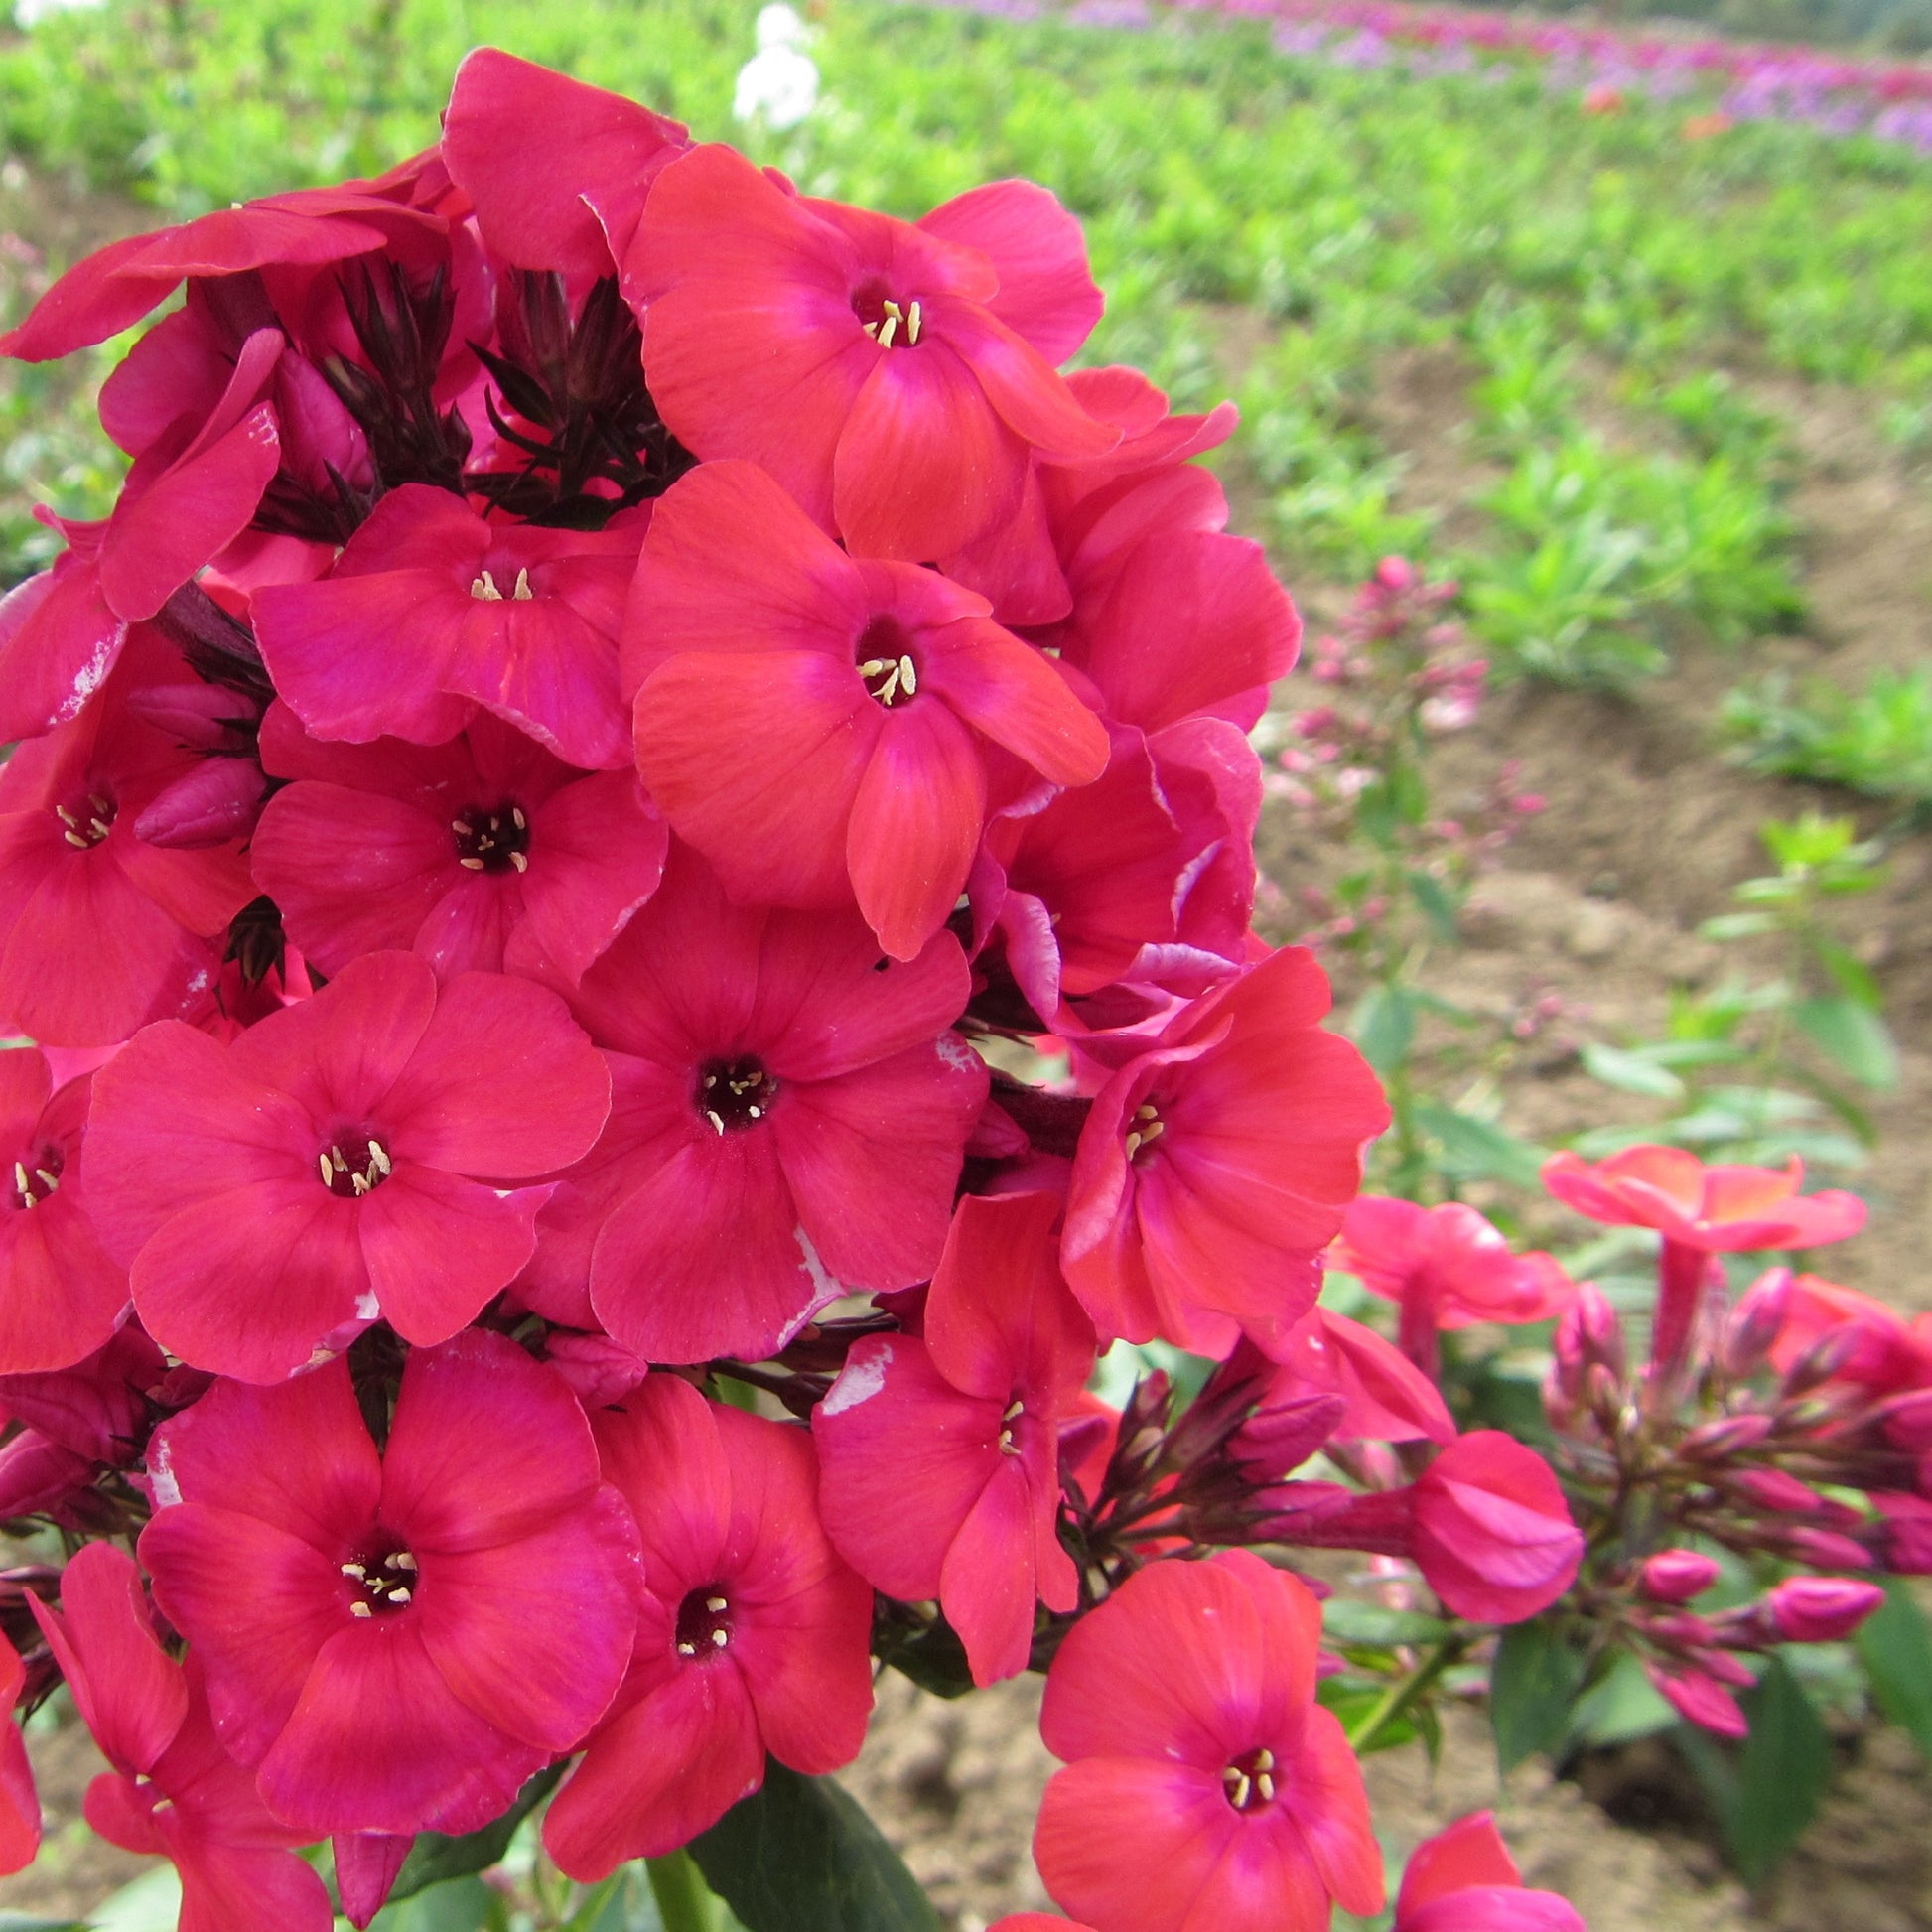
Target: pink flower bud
1717, 1440
1828, 1550
1756, 1322
1492, 1532
1701, 1699
1677, 1576
209, 804
1909, 1422
1822, 1610
1772, 1489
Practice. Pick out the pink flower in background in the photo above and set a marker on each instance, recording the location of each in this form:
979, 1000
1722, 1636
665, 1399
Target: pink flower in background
1216, 1165
894, 378
1386, 1398
431, 612
1445, 1266
20, 1805
1203, 1784
468, 1595
61, 1295
941, 1455
789, 1118
1494, 1535
173, 1789
823, 727
349, 1157
753, 1634
481, 853
1464, 1881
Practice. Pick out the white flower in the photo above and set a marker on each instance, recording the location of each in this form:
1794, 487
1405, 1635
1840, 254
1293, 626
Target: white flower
778, 85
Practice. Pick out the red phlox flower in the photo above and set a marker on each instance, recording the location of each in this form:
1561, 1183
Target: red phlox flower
61, 1295
98, 928
1216, 1165
788, 1119
753, 1637
349, 1157
468, 1598
1445, 1266
482, 854
818, 725
558, 171
1036, 1922
1386, 1396
1882, 1350
1203, 1784
75, 1423
431, 612
19, 1804
940, 1457
1714, 1209
1464, 1881
1494, 1535
173, 1789
894, 378
1145, 875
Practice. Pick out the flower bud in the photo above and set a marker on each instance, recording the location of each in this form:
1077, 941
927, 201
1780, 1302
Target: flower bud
1774, 1490
1700, 1698
1715, 1441
1827, 1550
1824, 1358
216, 801
1756, 1323
1907, 1422
1822, 1610
1677, 1576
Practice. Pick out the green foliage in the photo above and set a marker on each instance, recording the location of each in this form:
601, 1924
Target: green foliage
1895, 1646
1876, 738
800, 1856
1533, 1685
434, 1860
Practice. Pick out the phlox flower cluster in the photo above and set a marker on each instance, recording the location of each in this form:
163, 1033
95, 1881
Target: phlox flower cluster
629, 872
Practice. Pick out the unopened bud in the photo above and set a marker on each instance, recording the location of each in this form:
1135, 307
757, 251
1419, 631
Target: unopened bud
1677, 1576
212, 803
1590, 1332
1909, 1422
1824, 1358
1756, 1323
1715, 1441
1827, 1550
1774, 1490
1698, 1697
1822, 1610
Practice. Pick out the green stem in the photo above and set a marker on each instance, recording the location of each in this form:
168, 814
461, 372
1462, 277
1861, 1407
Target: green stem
1394, 1703
684, 1900
590, 1907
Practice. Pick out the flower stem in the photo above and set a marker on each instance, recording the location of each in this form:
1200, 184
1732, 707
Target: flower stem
1395, 1702
684, 1900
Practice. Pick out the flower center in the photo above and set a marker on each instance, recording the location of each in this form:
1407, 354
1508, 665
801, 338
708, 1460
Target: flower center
1249, 1782
735, 1094
498, 841
892, 324
483, 586
384, 1582
86, 824
704, 1622
353, 1165
1007, 1422
886, 662
35, 1175
1147, 1128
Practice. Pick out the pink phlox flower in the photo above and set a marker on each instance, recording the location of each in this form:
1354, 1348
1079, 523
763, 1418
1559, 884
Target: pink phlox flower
467, 1599
1386, 1398
62, 1296
941, 1455
355, 1154
483, 854
789, 1117
1464, 1879
19, 1804
1216, 1165
1494, 1534
431, 611
753, 1637
74, 872
1203, 1784
823, 727
894, 378
173, 1789
1874, 1346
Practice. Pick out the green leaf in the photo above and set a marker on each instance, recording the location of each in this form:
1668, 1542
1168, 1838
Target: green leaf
1852, 975
1765, 1792
1631, 1072
21, 1922
800, 1856
1346, 1619
1532, 1687
1437, 902
1853, 1036
434, 1858
465, 1904
1623, 1705
1479, 1150
1896, 1646
1384, 1026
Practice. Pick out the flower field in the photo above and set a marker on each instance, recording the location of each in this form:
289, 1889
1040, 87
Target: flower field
1585, 384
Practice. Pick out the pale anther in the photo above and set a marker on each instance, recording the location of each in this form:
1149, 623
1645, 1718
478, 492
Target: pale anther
50, 1179
1240, 1791
76, 840
1266, 1786
517, 819
399, 1594
716, 1120
484, 587
523, 593
1264, 1760
327, 1172
470, 864
1015, 1409
354, 1570
403, 1559
755, 1113
721, 1638
885, 330
715, 1604
687, 1650
912, 324
908, 678
65, 816
520, 860
20, 1177
458, 825
100, 826
1133, 1145
360, 1610
379, 1157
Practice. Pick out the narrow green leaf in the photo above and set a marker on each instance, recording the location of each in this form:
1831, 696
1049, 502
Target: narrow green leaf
463, 1905
1854, 1037
1896, 1646
800, 1856
1478, 1150
1852, 975
21, 1922
1532, 1687
1623, 1705
1437, 902
1384, 1026
1768, 1790
1346, 1619
434, 1858
1631, 1072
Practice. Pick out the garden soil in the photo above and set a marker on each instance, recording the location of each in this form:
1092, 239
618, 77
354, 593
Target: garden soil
1645, 832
